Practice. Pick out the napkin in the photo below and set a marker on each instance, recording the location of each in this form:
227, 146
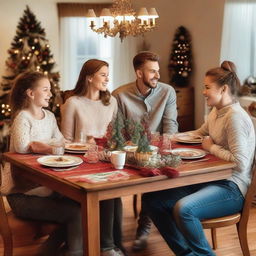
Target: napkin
170, 172
149, 172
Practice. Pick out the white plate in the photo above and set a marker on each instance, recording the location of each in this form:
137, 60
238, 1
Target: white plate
71, 147
188, 138
189, 153
59, 161
75, 151
130, 148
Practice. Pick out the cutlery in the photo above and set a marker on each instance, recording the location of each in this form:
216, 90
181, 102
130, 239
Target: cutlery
196, 161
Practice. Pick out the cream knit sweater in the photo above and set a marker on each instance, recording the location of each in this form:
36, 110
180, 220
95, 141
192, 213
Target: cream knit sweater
234, 140
80, 114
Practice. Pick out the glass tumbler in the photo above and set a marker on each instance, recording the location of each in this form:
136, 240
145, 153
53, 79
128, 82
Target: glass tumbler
91, 156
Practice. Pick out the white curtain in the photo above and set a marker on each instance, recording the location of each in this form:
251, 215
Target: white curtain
239, 36
68, 49
118, 55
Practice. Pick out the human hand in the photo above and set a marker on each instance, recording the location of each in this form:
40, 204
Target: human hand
40, 147
91, 140
207, 143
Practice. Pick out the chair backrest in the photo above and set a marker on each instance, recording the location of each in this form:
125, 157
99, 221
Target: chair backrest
251, 192
66, 94
5, 230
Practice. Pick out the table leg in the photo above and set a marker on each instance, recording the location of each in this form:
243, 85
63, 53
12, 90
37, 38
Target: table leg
91, 224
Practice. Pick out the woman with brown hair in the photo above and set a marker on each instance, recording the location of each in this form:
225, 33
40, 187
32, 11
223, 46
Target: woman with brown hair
88, 112
228, 133
91, 107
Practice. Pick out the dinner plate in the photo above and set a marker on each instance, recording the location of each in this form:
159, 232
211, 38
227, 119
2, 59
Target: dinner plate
75, 151
59, 161
76, 147
189, 153
188, 138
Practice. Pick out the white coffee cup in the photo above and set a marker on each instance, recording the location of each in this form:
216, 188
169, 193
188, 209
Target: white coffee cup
118, 159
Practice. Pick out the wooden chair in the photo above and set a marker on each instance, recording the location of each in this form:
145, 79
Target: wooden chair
18, 232
66, 94
240, 219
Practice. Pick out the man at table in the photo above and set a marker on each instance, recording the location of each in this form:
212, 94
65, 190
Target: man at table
148, 96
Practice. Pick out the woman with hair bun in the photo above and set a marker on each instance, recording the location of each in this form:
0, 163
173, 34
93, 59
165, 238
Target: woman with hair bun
228, 134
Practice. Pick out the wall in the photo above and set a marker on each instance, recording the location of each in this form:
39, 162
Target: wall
203, 18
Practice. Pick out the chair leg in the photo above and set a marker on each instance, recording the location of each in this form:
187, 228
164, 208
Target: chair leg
135, 210
242, 234
214, 238
8, 248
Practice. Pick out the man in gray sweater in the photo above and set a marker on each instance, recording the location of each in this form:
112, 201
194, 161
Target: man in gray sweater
155, 99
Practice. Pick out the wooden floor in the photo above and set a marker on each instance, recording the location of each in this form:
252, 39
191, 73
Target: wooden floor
227, 238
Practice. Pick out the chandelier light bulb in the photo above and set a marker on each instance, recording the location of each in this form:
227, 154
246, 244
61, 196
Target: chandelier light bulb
91, 17
153, 15
143, 15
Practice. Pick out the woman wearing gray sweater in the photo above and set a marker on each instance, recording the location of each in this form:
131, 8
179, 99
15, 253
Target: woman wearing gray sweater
228, 134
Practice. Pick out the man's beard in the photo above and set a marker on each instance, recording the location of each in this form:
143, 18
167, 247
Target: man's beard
148, 84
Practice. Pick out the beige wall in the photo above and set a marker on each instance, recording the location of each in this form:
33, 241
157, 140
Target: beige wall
203, 18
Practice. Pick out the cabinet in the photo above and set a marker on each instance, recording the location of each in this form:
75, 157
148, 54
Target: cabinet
185, 108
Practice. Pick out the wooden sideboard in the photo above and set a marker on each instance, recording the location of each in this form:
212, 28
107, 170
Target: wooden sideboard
185, 108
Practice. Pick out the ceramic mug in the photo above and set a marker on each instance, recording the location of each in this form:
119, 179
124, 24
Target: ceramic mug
118, 159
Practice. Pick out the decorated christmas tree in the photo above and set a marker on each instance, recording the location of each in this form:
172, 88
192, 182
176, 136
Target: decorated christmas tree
180, 66
30, 51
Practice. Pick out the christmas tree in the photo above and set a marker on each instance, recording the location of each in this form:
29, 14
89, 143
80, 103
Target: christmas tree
30, 51
180, 66
115, 133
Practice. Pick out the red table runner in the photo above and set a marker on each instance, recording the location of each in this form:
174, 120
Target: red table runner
81, 172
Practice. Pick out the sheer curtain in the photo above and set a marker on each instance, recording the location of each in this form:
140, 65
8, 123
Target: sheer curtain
239, 36
79, 43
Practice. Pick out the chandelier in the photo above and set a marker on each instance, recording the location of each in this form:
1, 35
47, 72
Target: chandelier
121, 19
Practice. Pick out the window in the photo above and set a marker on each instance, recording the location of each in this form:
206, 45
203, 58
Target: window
78, 43
239, 36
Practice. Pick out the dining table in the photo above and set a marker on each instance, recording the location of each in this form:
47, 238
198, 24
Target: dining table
80, 184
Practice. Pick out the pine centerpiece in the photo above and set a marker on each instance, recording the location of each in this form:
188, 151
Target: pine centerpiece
115, 132
144, 152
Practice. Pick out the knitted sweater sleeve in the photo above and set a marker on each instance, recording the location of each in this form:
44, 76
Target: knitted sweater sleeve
237, 132
20, 134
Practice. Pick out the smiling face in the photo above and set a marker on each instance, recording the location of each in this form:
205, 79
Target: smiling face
41, 93
99, 80
149, 74
213, 93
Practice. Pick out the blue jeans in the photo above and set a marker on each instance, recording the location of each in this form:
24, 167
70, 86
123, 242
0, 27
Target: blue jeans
177, 213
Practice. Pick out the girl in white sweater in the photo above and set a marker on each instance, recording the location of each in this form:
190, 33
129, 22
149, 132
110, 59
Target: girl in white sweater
32, 131
89, 111
229, 134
